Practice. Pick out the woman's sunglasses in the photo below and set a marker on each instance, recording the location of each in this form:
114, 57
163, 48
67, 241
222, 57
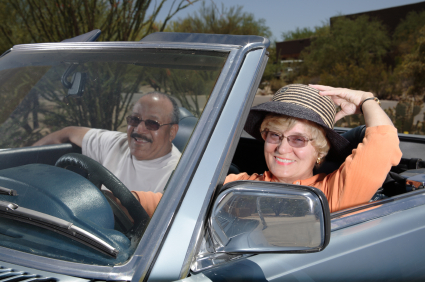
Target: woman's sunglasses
295, 141
150, 124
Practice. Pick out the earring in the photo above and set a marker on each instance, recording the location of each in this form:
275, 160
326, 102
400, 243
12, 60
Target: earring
318, 160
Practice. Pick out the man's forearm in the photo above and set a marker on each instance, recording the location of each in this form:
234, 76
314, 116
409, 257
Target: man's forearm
72, 134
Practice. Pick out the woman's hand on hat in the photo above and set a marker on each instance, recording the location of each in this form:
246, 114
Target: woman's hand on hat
349, 100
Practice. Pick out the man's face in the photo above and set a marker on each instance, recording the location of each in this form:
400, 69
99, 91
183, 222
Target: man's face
147, 144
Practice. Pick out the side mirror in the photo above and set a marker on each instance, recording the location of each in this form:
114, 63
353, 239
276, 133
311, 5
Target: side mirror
260, 217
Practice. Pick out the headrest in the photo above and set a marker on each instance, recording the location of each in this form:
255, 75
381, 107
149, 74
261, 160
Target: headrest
187, 124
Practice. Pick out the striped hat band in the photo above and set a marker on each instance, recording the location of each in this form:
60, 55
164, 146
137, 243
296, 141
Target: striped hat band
309, 98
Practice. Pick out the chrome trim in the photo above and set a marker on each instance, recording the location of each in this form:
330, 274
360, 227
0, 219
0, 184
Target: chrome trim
367, 212
7, 191
65, 228
122, 45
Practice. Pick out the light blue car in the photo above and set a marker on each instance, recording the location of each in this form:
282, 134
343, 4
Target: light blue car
57, 225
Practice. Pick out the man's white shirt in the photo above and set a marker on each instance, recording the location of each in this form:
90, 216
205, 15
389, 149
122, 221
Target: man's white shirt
110, 148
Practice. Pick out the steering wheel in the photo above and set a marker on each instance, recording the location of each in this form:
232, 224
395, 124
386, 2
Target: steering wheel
99, 175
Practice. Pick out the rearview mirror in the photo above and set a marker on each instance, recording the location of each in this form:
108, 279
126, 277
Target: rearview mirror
260, 217
78, 84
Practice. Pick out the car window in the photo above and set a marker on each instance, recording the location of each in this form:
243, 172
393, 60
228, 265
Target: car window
47, 89
33, 95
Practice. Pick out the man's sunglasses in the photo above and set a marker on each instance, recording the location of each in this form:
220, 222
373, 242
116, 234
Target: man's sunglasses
150, 124
295, 141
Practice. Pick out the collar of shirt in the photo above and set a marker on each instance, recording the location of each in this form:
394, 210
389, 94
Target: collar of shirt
268, 176
158, 162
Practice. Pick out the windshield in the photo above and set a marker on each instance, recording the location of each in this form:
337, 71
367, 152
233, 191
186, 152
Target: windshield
137, 109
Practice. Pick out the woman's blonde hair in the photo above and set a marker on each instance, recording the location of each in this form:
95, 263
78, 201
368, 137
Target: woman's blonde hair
317, 133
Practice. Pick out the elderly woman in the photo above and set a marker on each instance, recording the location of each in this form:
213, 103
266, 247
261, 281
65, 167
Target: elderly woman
297, 127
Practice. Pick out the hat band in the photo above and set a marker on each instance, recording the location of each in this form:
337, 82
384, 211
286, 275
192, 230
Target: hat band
326, 120
322, 109
321, 104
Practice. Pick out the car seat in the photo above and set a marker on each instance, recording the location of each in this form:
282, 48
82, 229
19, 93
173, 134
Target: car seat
187, 123
355, 137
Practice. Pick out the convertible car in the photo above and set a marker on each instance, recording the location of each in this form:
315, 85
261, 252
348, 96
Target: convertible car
56, 224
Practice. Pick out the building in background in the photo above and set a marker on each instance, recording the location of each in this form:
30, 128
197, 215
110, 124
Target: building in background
390, 17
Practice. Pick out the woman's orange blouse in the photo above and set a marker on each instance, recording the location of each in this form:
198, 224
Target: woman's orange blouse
354, 183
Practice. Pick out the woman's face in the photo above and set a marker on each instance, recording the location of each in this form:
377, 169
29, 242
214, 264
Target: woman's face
287, 163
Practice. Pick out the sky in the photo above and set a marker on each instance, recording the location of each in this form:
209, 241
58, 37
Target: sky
287, 15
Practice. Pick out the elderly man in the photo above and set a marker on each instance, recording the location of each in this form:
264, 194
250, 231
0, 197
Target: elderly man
142, 159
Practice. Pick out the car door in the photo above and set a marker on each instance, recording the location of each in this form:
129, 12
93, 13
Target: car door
377, 241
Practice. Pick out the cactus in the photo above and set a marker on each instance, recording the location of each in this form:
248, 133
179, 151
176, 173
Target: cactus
403, 115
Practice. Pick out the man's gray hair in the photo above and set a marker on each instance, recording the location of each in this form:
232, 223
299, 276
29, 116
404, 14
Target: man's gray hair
175, 116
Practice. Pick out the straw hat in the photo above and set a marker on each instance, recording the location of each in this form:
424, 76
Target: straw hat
304, 102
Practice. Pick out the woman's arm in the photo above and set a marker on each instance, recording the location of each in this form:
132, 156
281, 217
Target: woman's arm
364, 171
148, 200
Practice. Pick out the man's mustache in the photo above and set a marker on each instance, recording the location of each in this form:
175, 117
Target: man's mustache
140, 136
